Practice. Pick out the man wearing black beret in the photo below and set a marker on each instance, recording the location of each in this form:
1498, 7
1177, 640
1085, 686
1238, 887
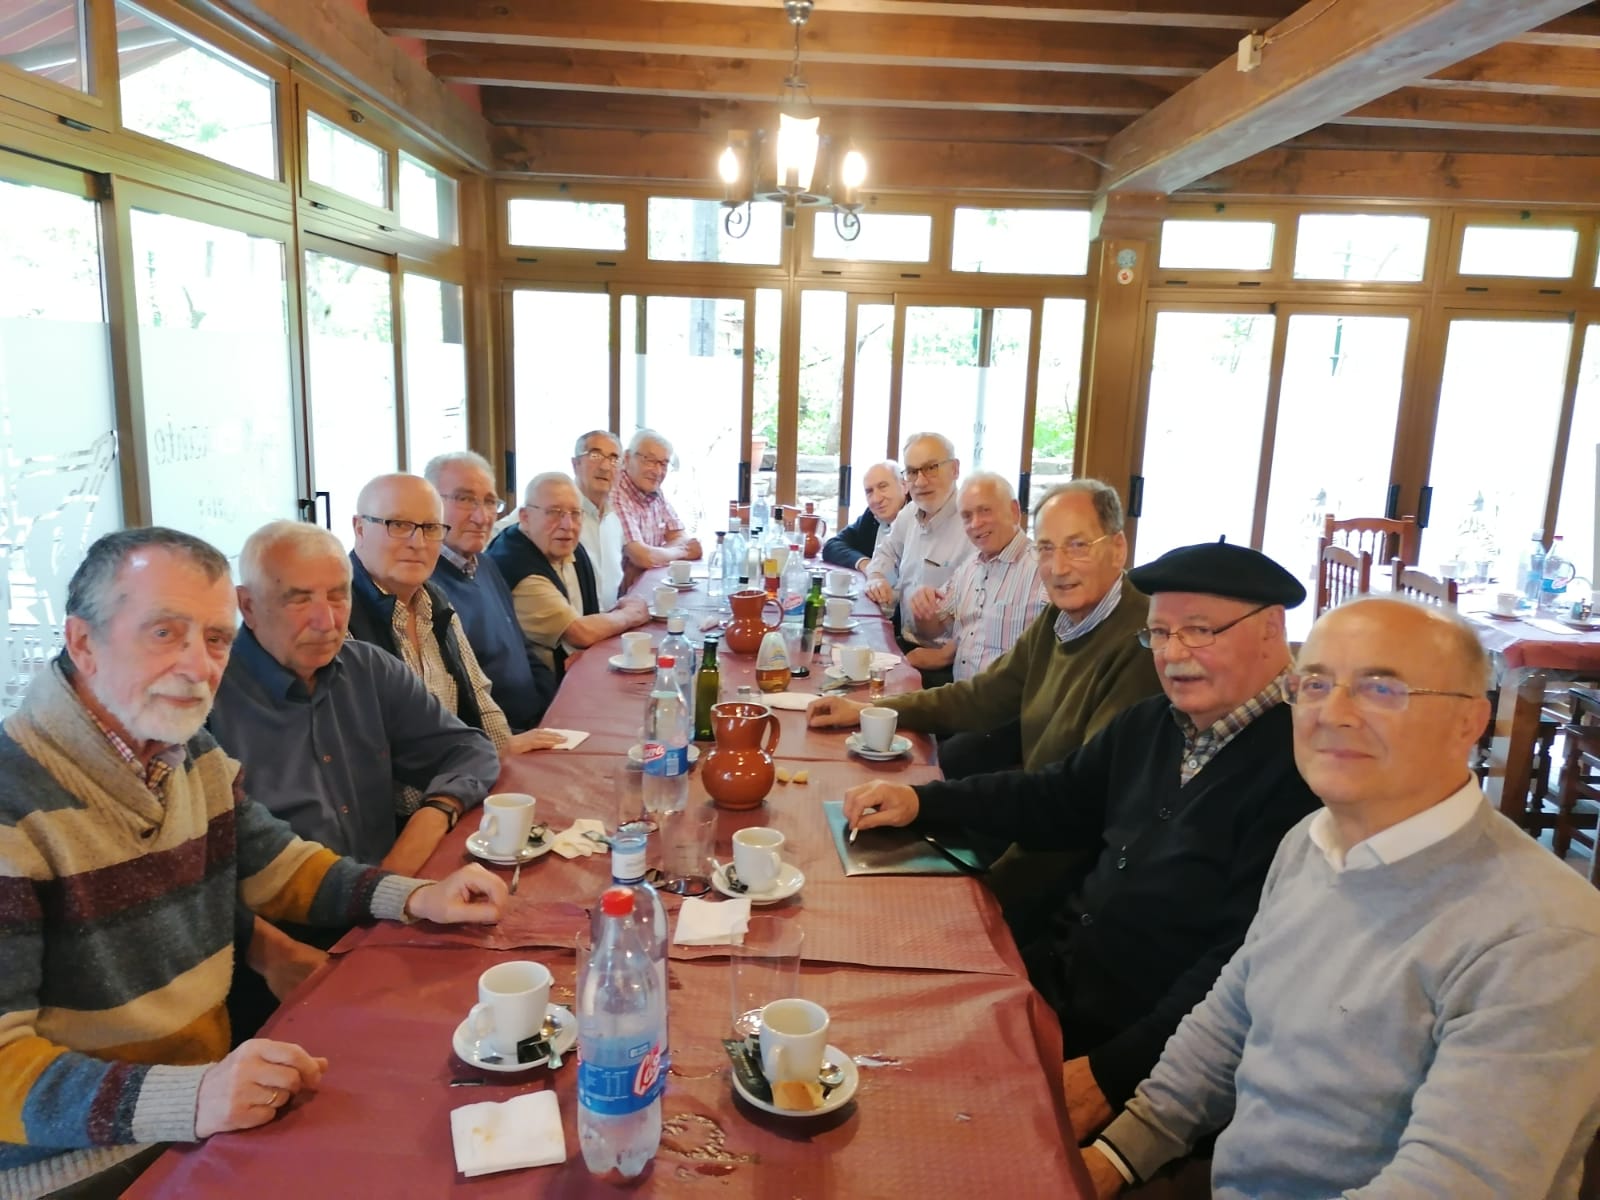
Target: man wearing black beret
1182, 798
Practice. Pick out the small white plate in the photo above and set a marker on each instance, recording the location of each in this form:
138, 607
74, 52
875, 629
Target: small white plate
636, 754
688, 585
845, 628
836, 675
841, 595
468, 1046
658, 616
478, 847
618, 663
899, 746
837, 1099
1500, 616
789, 881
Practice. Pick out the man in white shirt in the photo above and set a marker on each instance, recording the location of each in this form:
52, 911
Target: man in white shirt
978, 616
595, 461
926, 542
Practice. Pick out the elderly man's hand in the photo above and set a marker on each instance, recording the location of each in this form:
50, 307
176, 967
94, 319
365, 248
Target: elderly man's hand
927, 606
834, 712
879, 591
634, 608
691, 549
895, 804
468, 896
248, 1087
1086, 1103
533, 739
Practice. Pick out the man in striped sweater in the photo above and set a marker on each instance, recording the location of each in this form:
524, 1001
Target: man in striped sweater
125, 840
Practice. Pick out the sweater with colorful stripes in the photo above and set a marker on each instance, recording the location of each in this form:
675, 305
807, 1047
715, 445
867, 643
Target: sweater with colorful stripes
116, 934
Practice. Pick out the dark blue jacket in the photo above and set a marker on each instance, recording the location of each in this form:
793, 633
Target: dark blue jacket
523, 685
518, 558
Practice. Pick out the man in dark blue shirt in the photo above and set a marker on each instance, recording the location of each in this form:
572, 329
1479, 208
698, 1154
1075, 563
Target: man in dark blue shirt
853, 545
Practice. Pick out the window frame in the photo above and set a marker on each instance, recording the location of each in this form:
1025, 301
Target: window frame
1581, 279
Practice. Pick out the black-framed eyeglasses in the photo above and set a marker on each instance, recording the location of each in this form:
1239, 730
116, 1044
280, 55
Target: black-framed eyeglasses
927, 469
1076, 550
1193, 636
1375, 693
611, 459
432, 531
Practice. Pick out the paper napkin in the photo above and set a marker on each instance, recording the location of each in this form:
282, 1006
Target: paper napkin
524, 1131
571, 842
574, 738
789, 701
703, 923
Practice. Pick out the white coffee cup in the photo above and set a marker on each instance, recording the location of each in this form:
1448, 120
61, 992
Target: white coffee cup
836, 613
877, 728
794, 1037
680, 570
855, 661
512, 1000
666, 599
839, 581
636, 649
507, 819
757, 856
1505, 603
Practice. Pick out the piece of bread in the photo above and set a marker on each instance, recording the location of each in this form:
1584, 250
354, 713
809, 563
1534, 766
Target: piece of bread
797, 1095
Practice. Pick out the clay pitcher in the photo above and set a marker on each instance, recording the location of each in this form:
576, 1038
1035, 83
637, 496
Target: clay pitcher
745, 631
815, 529
738, 771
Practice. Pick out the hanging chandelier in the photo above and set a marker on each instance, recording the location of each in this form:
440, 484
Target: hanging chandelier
799, 145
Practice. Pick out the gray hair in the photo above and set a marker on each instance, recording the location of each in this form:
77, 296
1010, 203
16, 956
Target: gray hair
946, 446
1107, 505
582, 444
90, 590
892, 466
994, 479
464, 458
647, 435
306, 538
538, 481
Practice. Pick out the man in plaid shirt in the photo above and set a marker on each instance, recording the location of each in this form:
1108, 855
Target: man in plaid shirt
652, 534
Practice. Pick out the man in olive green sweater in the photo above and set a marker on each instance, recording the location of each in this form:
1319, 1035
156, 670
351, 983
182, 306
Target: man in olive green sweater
1077, 665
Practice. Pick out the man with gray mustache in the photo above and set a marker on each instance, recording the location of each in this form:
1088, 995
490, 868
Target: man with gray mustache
1183, 798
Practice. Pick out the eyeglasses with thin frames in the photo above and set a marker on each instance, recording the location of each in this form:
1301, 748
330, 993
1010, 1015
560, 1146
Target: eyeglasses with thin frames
650, 460
611, 459
554, 513
432, 531
1374, 693
1193, 636
1076, 550
468, 500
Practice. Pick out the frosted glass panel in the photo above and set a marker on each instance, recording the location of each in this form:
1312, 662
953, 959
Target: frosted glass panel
436, 369
351, 352
214, 346
58, 448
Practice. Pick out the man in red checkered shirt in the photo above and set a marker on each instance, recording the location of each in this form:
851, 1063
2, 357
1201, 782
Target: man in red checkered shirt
652, 534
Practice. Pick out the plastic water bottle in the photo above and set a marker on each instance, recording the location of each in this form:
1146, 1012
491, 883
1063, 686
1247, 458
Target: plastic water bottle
733, 556
1533, 581
649, 919
666, 742
682, 651
621, 1027
716, 568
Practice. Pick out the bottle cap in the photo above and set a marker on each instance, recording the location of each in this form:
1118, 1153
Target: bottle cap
616, 902
675, 624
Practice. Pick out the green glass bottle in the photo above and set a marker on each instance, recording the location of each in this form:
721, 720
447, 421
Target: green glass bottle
811, 619
707, 690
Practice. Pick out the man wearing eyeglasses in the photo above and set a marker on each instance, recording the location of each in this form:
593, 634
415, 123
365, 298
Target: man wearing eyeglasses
1182, 798
595, 460
523, 683
926, 543
1413, 1011
652, 534
553, 582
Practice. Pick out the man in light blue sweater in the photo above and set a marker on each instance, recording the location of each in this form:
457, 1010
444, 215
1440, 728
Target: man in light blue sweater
1415, 1011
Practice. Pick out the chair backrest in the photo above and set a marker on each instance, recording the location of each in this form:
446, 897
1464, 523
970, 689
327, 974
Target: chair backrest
1341, 574
1385, 538
1419, 585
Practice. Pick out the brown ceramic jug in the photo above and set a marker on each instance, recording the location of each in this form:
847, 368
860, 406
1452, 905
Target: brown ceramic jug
738, 771
815, 529
745, 631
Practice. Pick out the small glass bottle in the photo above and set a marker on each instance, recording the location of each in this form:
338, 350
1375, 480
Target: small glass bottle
714, 569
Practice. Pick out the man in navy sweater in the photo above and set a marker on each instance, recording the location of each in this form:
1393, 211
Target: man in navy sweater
886, 495
523, 684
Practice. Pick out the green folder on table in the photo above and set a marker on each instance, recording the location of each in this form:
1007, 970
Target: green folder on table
890, 851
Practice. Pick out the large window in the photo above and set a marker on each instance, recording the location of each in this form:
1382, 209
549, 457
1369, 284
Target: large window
1217, 245
1021, 241
436, 369
566, 224
58, 445
427, 200
1537, 253
1361, 246
1055, 422
560, 343
1578, 520
966, 376
694, 231
884, 237
350, 165
47, 38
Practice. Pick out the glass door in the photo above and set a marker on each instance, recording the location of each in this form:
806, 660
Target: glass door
560, 374
868, 378
1578, 517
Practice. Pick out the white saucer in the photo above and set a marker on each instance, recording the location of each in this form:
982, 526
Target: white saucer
837, 1099
687, 586
899, 746
841, 595
618, 663
467, 1046
478, 847
837, 675
789, 881
845, 628
1500, 616
658, 616
636, 754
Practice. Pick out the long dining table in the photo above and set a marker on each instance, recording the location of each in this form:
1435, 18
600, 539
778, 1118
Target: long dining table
958, 1056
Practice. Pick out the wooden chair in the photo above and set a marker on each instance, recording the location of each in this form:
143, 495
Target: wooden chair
1341, 574
1419, 585
1580, 779
1385, 538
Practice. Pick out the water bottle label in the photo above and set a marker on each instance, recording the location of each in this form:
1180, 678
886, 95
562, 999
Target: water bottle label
627, 862
616, 1091
668, 761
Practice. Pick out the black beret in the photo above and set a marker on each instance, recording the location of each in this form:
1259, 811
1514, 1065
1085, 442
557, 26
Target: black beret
1220, 569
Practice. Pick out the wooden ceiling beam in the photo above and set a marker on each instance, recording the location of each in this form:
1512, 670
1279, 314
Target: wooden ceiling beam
1501, 112
1190, 14
1526, 180
1445, 141
1532, 69
590, 110
674, 157
830, 37
762, 80
1315, 67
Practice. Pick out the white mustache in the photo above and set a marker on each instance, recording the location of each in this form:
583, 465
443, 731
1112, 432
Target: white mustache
1182, 671
193, 691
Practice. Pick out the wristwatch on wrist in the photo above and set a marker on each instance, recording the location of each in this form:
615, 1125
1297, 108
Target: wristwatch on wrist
452, 814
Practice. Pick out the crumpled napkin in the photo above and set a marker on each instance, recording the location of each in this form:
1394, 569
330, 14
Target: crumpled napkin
703, 923
571, 842
524, 1131
880, 658
574, 738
